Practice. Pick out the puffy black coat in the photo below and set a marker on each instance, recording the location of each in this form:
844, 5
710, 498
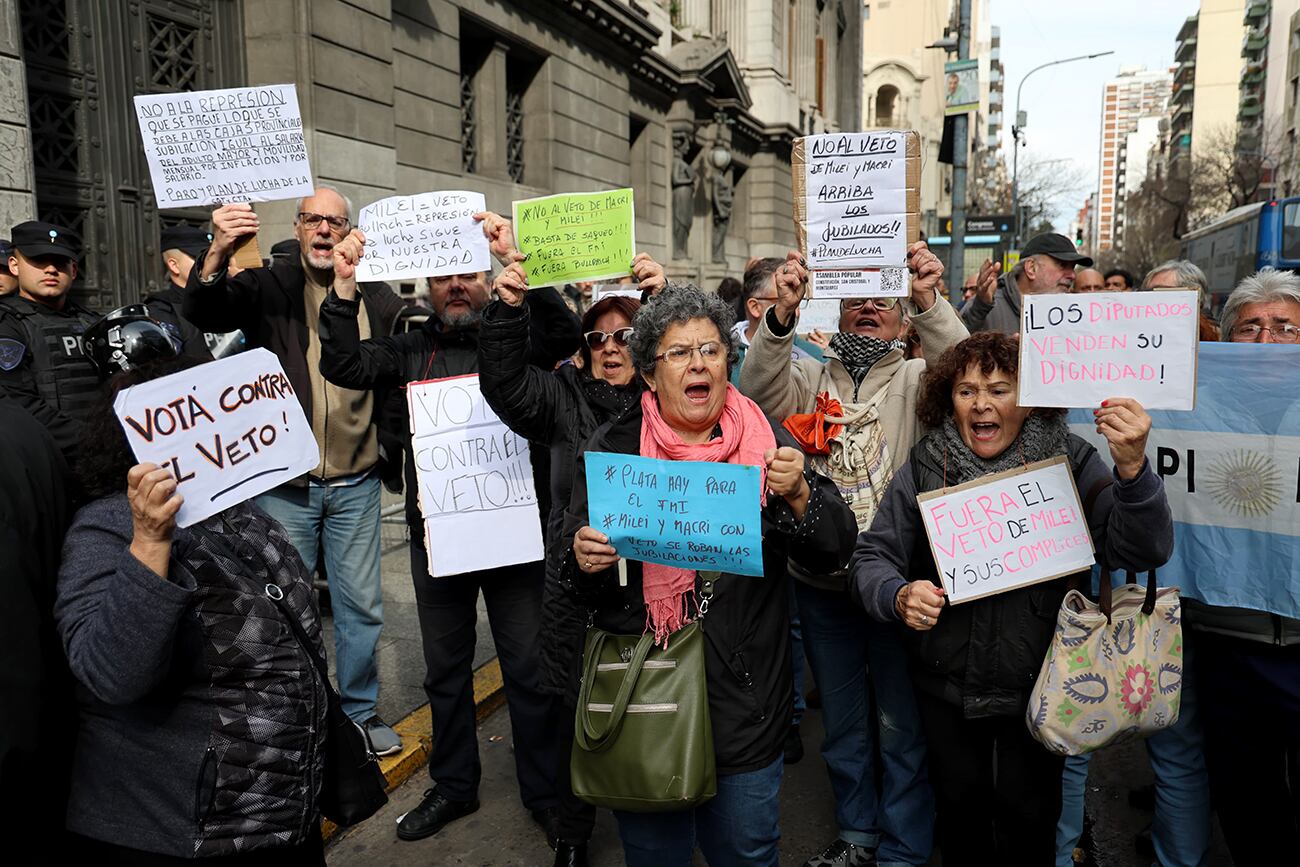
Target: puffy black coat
984, 655
747, 629
558, 410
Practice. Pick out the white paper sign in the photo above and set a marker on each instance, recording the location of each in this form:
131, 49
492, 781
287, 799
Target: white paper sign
819, 314
1078, 350
615, 290
243, 144
228, 430
475, 478
875, 283
427, 235
856, 199
1007, 530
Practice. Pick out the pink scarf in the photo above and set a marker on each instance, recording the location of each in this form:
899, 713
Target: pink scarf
746, 436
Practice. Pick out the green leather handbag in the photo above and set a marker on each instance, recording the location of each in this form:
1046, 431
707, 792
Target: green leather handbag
642, 737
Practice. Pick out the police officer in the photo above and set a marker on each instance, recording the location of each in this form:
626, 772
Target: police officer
42, 365
181, 245
8, 282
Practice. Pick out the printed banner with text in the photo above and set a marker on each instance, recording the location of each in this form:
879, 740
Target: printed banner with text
691, 514
1231, 469
1078, 350
1007, 530
228, 430
244, 144
427, 235
576, 237
475, 479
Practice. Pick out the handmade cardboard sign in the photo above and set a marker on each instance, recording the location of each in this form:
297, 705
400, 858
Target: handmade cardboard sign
690, 514
857, 208
475, 478
228, 430
1078, 350
574, 237
615, 290
426, 235
243, 144
1007, 530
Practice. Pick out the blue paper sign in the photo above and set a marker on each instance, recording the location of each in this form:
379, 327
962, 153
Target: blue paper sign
689, 514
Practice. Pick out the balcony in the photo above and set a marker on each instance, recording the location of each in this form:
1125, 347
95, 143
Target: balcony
1256, 11
1185, 49
1252, 44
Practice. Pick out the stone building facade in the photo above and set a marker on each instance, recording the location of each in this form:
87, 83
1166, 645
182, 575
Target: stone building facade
513, 98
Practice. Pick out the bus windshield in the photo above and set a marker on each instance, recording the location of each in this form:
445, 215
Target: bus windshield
1290, 251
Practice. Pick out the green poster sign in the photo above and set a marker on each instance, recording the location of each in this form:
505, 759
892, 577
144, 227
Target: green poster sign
572, 237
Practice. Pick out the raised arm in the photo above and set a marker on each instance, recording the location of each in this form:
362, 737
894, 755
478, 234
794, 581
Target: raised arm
215, 301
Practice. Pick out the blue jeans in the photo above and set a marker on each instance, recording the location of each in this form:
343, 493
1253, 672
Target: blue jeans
340, 524
1181, 828
738, 827
856, 661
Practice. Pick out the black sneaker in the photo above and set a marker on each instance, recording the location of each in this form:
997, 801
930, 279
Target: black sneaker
842, 854
793, 745
434, 812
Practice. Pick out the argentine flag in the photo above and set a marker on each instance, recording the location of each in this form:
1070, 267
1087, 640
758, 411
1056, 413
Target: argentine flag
1231, 469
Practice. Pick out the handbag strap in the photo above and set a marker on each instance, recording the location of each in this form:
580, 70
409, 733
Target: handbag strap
587, 735
1105, 601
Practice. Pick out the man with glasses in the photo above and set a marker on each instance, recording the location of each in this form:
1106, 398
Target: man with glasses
42, 365
332, 513
855, 416
756, 297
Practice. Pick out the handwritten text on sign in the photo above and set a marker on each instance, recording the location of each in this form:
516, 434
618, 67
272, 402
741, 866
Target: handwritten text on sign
690, 514
475, 480
856, 199
1076, 351
1007, 530
575, 237
228, 430
428, 235
244, 144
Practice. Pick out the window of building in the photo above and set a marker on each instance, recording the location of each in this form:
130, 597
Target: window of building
638, 144
886, 103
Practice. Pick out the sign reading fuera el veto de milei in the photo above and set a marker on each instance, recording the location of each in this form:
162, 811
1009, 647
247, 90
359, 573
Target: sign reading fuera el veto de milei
857, 208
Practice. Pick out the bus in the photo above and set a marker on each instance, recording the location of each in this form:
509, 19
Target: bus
1244, 240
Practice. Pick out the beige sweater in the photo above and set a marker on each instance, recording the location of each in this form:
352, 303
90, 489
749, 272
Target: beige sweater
341, 417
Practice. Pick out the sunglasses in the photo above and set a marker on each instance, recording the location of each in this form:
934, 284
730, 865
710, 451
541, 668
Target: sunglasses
596, 339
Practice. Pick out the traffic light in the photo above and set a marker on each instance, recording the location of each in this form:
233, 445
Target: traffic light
1078, 237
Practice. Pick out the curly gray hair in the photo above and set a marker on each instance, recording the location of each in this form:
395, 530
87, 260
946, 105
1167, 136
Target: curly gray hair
678, 303
1265, 285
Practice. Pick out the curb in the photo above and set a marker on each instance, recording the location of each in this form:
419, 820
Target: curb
415, 728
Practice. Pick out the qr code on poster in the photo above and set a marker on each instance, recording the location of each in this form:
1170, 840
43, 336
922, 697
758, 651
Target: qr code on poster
893, 281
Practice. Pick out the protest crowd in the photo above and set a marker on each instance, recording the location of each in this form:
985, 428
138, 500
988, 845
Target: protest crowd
917, 521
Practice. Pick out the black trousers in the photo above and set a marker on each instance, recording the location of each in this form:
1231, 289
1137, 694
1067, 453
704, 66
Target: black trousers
576, 818
1251, 713
448, 611
997, 790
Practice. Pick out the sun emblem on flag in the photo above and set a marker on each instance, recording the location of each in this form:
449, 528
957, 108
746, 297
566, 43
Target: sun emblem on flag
1245, 482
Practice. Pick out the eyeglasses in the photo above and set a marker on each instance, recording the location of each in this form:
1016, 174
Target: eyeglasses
311, 221
1284, 333
680, 356
596, 339
878, 303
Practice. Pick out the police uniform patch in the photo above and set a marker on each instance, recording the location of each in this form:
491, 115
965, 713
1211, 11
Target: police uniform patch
11, 353
172, 330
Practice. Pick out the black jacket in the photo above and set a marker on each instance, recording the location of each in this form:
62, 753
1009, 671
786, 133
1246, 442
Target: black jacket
432, 352
166, 306
268, 305
747, 628
985, 655
551, 409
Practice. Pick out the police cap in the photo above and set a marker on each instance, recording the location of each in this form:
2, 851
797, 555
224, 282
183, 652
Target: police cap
187, 239
35, 238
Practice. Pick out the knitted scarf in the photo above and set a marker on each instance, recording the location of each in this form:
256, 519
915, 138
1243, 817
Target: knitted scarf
746, 436
858, 352
1040, 438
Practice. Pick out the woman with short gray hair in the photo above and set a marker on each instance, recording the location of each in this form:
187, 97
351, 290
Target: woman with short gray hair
1264, 308
682, 347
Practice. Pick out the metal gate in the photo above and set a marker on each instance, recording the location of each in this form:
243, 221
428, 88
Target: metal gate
85, 60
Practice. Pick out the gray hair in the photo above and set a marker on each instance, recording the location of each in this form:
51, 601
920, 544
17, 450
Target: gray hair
1189, 275
1267, 284
347, 203
678, 303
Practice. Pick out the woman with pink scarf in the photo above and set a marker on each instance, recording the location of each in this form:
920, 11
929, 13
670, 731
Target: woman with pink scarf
682, 346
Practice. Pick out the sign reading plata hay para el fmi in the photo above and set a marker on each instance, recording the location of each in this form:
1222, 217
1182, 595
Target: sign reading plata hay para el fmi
857, 208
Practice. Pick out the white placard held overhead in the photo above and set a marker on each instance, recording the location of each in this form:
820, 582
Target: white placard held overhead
1078, 350
243, 144
475, 479
426, 235
856, 200
228, 430
1007, 530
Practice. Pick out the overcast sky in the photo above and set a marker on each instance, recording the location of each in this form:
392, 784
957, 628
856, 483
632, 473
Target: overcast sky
1064, 102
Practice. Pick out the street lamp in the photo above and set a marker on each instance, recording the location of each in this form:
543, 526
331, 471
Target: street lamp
1017, 128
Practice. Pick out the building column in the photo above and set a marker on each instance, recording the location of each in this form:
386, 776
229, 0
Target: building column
17, 181
490, 113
